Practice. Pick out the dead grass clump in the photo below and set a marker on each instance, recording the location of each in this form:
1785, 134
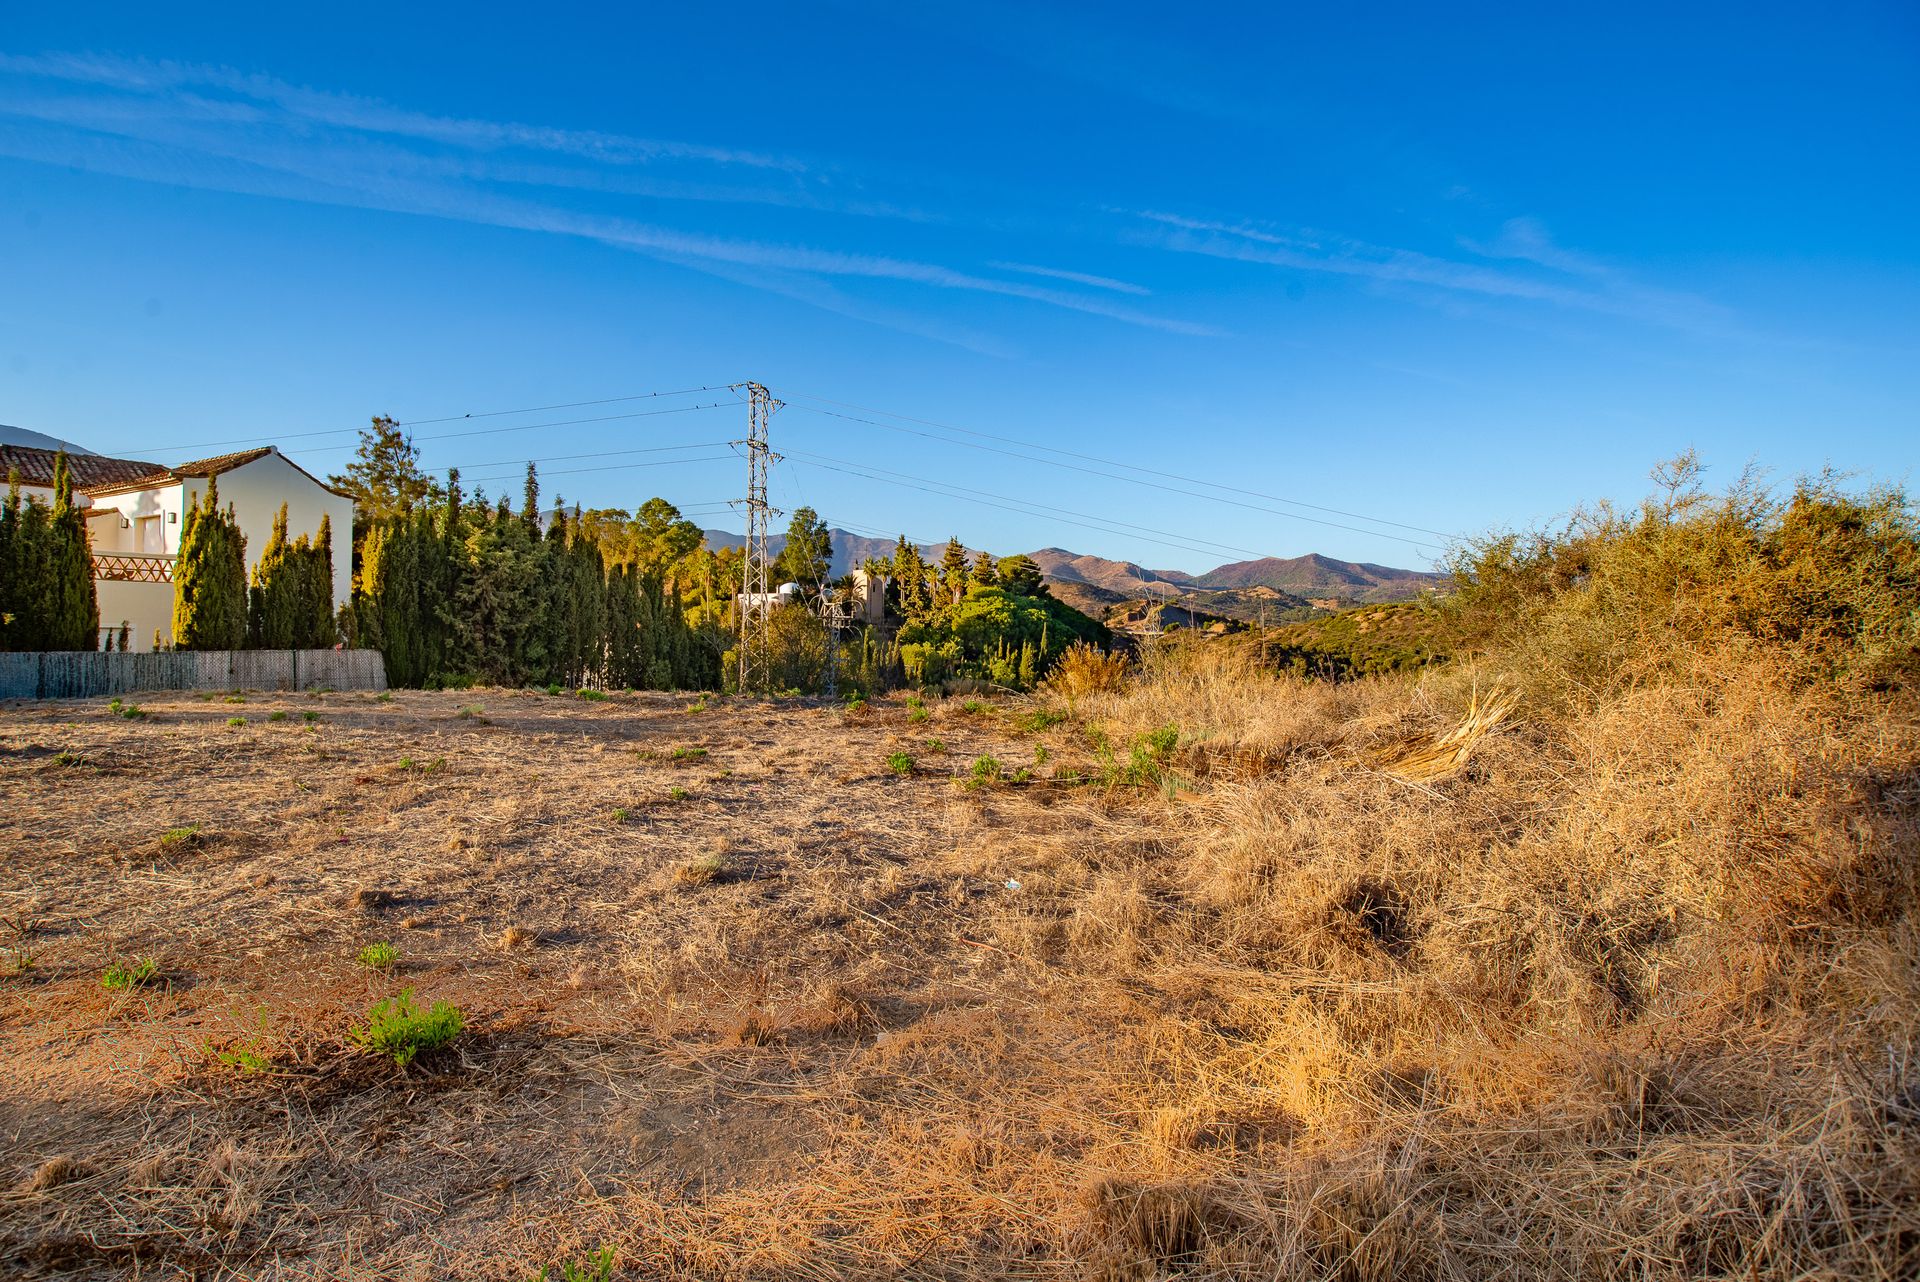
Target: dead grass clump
1379, 911
517, 938
706, 870
754, 1028
1146, 1229
835, 1010
54, 1172
368, 899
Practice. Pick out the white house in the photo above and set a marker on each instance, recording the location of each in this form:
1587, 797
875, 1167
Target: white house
134, 512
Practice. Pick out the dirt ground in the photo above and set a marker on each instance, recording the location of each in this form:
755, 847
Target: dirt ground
698, 946
1376, 981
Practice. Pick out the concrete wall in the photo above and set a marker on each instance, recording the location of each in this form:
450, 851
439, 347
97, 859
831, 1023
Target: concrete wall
77, 674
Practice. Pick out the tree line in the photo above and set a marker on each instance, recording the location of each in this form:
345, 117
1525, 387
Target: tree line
46, 569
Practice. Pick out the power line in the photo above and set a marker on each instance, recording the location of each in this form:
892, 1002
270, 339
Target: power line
1131, 467
618, 467
530, 427
565, 405
568, 458
1122, 526
1211, 498
452, 418
1027, 508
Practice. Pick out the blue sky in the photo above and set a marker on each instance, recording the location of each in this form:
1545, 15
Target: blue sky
1443, 269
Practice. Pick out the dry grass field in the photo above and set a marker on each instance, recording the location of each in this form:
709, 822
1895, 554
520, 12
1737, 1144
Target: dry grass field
1312, 985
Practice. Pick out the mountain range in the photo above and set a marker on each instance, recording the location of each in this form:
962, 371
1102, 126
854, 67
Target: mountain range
1312, 576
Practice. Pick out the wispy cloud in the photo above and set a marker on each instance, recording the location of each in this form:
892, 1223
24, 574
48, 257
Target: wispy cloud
219, 129
1077, 278
1568, 279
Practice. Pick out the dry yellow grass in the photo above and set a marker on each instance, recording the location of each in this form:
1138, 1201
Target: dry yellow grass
1631, 994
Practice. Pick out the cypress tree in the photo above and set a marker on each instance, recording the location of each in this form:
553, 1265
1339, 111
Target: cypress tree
272, 599
73, 611
210, 578
314, 625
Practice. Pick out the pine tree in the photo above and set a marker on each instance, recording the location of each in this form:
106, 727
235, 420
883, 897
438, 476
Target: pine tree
953, 570
985, 573
910, 572
210, 578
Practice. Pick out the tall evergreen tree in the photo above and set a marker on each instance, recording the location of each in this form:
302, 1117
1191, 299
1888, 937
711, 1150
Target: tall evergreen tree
210, 578
384, 479
314, 621
985, 572
26, 548
272, 599
807, 556
953, 570
73, 611
911, 575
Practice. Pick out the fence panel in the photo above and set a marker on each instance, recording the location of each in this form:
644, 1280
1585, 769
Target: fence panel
87, 674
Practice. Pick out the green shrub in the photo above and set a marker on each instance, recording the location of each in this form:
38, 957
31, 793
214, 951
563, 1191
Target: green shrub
553, 689
621, 814
121, 976
278, 714
399, 1028
976, 707
596, 1268
689, 754
1041, 719
247, 1059
179, 838
236, 697
379, 956
236, 721
309, 716
677, 794
592, 696
470, 712
985, 770
936, 745
900, 763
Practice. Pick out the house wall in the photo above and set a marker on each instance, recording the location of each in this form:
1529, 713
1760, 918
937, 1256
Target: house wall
144, 607
164, 503
257, 489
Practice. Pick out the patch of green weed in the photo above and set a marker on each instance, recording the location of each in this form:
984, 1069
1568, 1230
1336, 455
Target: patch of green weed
121, 976
379, 956
399, 1028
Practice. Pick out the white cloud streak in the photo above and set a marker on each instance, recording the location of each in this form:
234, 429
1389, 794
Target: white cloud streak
1573, 280
158, 122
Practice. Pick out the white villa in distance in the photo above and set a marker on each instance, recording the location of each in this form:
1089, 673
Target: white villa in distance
134, 512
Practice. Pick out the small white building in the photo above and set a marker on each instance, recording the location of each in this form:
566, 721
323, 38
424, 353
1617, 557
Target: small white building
134, 512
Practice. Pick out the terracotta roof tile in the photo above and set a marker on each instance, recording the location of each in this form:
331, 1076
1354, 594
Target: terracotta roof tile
158, 475
35, 467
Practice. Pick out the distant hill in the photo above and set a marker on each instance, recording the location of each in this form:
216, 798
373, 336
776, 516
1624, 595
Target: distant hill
38, 440
1092, 583
1314, 575
850, 551
1123, 578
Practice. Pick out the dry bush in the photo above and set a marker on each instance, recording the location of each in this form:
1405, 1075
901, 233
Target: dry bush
1083, 670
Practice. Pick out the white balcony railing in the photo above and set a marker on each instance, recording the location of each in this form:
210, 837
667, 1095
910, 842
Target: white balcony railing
133, 567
